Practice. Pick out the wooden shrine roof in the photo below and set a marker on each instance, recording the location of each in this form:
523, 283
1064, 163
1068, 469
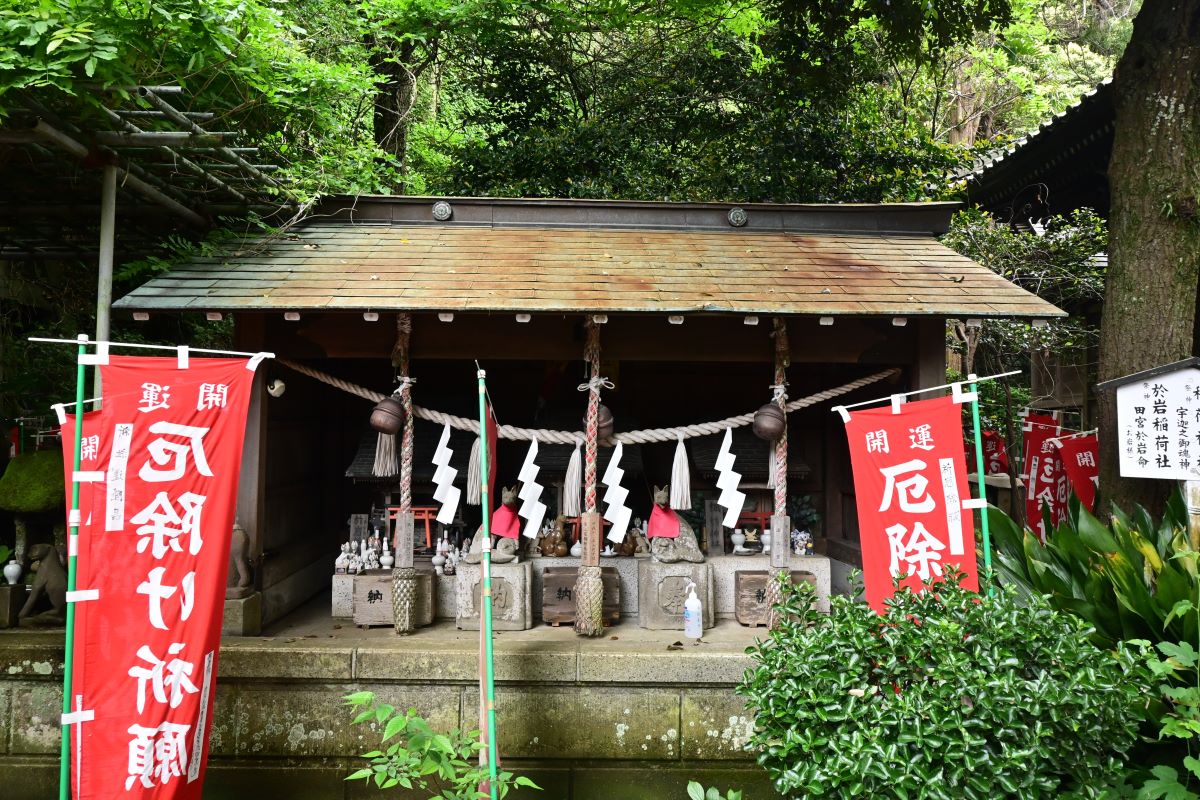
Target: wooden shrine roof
598, 256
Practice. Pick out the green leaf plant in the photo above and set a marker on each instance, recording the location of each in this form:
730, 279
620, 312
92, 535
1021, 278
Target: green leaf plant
413, 756
696, 791
951, 694
1134, 580
1126, 578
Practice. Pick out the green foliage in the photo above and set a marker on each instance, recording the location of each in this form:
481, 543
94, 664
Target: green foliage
243, 57
1134, 580
33, 483
952, 694
1177, 665
697, 792
1126, 579
414, 756
1058, 266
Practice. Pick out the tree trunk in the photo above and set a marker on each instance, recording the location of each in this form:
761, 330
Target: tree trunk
1154, 230
393, 100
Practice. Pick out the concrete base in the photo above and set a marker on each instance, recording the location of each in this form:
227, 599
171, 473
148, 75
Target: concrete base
662, 591
588, 719
243, 617
343, 595
512, 596
11, 600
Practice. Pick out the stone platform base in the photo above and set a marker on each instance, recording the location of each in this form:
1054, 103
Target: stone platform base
243, 617
588, 719
662, 591
512, 596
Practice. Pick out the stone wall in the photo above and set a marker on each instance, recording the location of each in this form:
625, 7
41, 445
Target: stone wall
585, 719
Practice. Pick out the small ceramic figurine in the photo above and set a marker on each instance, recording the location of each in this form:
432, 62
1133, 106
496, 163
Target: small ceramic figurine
342, 564
553, 538
671, 537
386, 560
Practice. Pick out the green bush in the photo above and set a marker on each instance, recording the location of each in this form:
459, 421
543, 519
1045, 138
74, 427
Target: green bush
415, 757
1124, 579
950, 695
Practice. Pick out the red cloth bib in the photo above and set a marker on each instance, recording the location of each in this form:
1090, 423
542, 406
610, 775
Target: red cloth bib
506, 523
663, 522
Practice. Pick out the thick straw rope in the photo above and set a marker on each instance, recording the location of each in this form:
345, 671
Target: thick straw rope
774, 589
593, 415
647, 436
401, 360
782, 358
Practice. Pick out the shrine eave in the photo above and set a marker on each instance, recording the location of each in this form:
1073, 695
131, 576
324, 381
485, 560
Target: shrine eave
597, 257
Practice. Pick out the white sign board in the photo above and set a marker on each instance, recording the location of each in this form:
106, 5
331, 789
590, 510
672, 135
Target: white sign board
1158, 426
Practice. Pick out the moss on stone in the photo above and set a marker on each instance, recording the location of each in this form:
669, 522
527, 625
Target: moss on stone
33, 483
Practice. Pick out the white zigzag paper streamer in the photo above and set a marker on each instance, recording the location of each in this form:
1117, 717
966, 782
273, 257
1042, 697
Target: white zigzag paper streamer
446, 492
617, 512
532, 509
727, 481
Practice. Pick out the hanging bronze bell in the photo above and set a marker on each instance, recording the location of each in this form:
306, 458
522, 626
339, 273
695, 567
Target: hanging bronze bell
388, 415
604, 423
769, 422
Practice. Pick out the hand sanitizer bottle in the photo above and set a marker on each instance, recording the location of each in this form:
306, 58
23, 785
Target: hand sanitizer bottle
693, 614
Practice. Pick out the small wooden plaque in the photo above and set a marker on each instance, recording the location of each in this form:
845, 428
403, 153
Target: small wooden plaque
750, 593
373, 598
558, 595
781, 542
591, 532
359, 527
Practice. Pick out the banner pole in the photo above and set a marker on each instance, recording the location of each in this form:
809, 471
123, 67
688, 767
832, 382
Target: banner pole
485, 594
979, 473
64, 766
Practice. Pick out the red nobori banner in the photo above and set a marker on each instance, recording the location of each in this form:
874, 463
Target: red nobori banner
910, 481
1081, 460
163, 494
93, 454
1045, 480
995, 454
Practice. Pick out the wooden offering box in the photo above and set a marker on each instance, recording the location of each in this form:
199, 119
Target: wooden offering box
750, 594
558, 595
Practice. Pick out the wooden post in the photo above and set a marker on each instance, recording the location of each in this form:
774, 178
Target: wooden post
589, 590
781, 526
404, 576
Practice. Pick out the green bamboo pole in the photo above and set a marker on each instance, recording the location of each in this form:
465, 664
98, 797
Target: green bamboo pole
979, 473
64, 766
485, 594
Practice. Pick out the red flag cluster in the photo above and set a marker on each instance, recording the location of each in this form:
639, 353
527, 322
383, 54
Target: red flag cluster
161, 460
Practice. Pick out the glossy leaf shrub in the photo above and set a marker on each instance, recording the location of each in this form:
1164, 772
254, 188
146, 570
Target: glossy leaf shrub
1125, 579
950, 695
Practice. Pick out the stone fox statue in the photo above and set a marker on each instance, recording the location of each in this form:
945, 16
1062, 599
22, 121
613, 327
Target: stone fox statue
507, 525
671, 537
51, 581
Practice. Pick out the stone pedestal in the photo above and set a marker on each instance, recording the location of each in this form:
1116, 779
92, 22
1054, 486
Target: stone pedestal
512, 606
662, 591
343, 595
11, 600
243, 617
